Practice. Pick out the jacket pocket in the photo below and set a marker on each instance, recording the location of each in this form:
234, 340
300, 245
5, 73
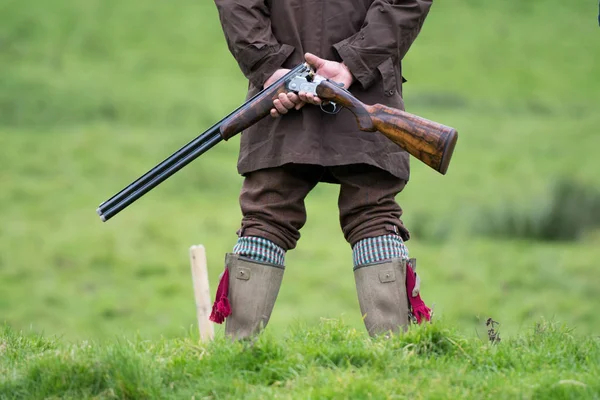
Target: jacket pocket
388, 77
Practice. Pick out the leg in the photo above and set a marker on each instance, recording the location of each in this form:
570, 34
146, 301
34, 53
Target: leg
272, 203
367, 202
370, 220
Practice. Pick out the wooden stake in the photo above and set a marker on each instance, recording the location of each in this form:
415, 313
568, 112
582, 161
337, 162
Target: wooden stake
201, 292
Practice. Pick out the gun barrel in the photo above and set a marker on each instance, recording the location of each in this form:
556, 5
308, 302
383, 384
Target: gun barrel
157, 177
184, 155
164, 165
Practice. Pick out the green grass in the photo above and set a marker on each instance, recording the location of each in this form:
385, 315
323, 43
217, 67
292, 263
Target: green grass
93, 94
330, 360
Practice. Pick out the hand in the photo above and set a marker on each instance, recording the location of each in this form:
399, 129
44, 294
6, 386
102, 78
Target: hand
285, 101
337, 72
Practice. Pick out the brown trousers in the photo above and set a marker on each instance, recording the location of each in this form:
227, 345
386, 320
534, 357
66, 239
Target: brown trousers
272, 202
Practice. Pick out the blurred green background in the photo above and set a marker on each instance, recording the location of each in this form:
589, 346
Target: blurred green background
94, 93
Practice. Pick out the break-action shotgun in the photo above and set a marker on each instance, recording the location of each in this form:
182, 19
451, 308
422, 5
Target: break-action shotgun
428, 141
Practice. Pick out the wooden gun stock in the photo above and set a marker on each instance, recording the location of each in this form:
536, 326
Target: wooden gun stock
252, 111
430, 142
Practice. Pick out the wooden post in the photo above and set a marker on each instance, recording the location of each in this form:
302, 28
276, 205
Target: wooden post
201, 292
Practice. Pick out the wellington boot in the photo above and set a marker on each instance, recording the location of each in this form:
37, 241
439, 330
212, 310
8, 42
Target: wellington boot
253, 289
381, 289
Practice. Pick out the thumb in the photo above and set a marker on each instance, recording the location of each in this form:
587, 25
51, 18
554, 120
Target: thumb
314, 61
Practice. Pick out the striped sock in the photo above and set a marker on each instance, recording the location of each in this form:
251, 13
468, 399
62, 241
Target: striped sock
259, 249
379, 248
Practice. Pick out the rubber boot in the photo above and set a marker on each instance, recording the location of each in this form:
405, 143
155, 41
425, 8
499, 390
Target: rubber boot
381, 289
253, 289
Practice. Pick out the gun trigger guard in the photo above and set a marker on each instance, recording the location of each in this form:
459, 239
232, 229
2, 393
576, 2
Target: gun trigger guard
330, 107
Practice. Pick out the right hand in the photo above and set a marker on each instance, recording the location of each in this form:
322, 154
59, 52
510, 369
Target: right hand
336, 71
285, 101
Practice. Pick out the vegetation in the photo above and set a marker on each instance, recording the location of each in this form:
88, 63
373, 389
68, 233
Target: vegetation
568, 212
324, 362
94, 93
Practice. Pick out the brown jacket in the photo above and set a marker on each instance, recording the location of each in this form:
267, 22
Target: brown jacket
370, 36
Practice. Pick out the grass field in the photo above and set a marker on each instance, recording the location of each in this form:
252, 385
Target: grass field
329, 361
94, 93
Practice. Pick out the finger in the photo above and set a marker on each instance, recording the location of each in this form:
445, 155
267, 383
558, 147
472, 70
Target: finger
307, 97
313, 99
280, 107
274, 113
417, 289
313, 60
294, 98
287, 103
303, 97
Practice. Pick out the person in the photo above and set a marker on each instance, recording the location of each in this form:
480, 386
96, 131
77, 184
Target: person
359, 43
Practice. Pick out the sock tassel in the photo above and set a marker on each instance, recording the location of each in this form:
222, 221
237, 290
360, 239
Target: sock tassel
221, 307
419, 309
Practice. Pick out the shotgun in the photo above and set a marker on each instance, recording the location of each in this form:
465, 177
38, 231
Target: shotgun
428, 141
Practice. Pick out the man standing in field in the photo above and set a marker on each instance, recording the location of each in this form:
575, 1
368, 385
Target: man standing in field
359, 43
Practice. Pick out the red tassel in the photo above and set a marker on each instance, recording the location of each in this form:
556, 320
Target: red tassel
419, 309
221, 308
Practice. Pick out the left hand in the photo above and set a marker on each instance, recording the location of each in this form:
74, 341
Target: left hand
284, 101
337, 72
